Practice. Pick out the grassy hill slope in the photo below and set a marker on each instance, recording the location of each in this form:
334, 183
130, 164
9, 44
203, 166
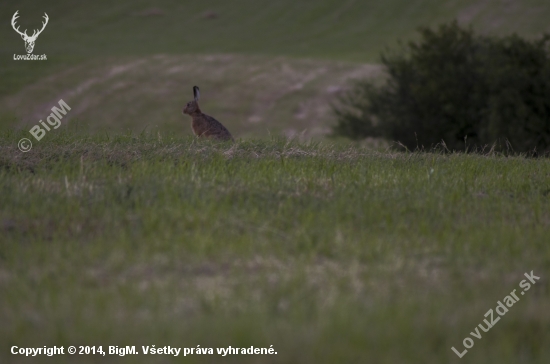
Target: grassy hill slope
95, 37
352, 30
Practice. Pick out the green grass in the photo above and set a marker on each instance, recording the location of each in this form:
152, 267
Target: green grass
331, 253
349, 30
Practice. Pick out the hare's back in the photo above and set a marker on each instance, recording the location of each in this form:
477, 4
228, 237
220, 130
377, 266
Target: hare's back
216, 129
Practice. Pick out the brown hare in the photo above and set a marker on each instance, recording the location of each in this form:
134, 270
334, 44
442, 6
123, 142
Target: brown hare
204, 125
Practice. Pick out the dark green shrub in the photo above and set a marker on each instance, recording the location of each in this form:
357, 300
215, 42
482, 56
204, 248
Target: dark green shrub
456, 87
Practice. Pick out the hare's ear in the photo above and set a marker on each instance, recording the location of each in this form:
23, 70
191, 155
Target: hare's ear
196, 93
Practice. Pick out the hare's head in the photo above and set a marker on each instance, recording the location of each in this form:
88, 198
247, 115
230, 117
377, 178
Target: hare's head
193, 106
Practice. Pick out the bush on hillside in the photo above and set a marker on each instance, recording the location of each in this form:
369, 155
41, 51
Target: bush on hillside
458, 87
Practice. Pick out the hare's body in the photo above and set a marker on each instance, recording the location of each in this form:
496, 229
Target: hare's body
205, 125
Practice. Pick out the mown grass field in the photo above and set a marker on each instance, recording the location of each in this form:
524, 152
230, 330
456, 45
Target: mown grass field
330, 253
276, 67
254, 96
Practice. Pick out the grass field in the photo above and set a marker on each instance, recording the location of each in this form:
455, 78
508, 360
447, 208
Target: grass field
330, 253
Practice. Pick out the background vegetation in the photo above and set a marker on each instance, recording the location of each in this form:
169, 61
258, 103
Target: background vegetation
95, 52
459, 89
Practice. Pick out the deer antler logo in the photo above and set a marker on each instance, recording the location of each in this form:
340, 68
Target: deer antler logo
29, 41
